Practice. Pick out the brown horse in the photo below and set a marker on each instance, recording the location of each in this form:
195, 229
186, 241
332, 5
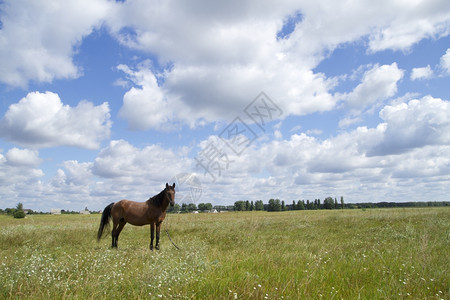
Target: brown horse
152, 211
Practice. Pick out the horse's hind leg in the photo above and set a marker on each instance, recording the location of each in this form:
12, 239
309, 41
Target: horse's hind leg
114, 235
116, 232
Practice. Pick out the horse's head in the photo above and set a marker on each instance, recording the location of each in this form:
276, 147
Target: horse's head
170, 193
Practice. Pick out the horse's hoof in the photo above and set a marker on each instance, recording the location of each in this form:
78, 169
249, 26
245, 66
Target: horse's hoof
151, 247
157, 247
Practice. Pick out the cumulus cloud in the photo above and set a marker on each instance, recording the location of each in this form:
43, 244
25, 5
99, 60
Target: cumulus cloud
42, 120
194, 94
22, 157
414, 125
348, 121
421, 73
378, 83
145, 106
38, 40
77, 173
412, 143
122, 161
409, 22
213, 61
221, 61
19, 174
322, 25
445, 61
217, 67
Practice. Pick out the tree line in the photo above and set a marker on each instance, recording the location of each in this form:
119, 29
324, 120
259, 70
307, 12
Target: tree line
327, 203
16, 212
280, 205
259, 205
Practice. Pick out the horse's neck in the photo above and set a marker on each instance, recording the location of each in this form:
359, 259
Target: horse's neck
164, 204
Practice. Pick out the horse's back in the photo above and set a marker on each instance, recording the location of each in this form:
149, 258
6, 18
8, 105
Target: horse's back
132, 212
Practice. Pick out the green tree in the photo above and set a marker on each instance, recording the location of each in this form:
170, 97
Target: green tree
342, 202
328, 203
283, 205
274, 205
204, 206
10, 211
174, 209
19, 213
259, 205
191, 207
239, 205
300, 205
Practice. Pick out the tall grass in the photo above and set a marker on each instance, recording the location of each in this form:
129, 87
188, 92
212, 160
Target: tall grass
341, 254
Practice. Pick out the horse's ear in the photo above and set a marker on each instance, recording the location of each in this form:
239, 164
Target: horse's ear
173, 185
167, 185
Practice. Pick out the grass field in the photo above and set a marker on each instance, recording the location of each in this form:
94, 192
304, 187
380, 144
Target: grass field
339, 254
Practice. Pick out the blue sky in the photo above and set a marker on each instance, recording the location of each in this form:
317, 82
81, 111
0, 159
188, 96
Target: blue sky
104, 100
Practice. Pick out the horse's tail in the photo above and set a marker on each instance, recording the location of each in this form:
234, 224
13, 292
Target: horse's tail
104, 222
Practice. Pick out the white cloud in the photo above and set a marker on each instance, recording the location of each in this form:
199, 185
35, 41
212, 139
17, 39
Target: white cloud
145, 106
423, 163
217, 67
193, 94
119, 171
414, 125
19, 175
278, 135
296, 128
421, 73
218, 63
348, 121
23, 157
314, 131
410, 149
215, 60
406, 23
445, 61
78, 173
412, 145
41, 120
124, 162
378, 83
38, 39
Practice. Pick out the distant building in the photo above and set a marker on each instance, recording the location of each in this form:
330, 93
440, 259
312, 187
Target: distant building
84, 212
55, 211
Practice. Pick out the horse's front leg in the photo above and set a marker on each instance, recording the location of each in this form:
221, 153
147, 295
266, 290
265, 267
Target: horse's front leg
152, 235
158, 228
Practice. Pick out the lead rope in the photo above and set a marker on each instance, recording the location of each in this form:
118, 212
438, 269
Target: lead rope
168, 235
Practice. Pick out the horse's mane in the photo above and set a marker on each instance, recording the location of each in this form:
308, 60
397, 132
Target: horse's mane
157, 200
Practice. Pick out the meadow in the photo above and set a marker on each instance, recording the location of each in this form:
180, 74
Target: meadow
338, 254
